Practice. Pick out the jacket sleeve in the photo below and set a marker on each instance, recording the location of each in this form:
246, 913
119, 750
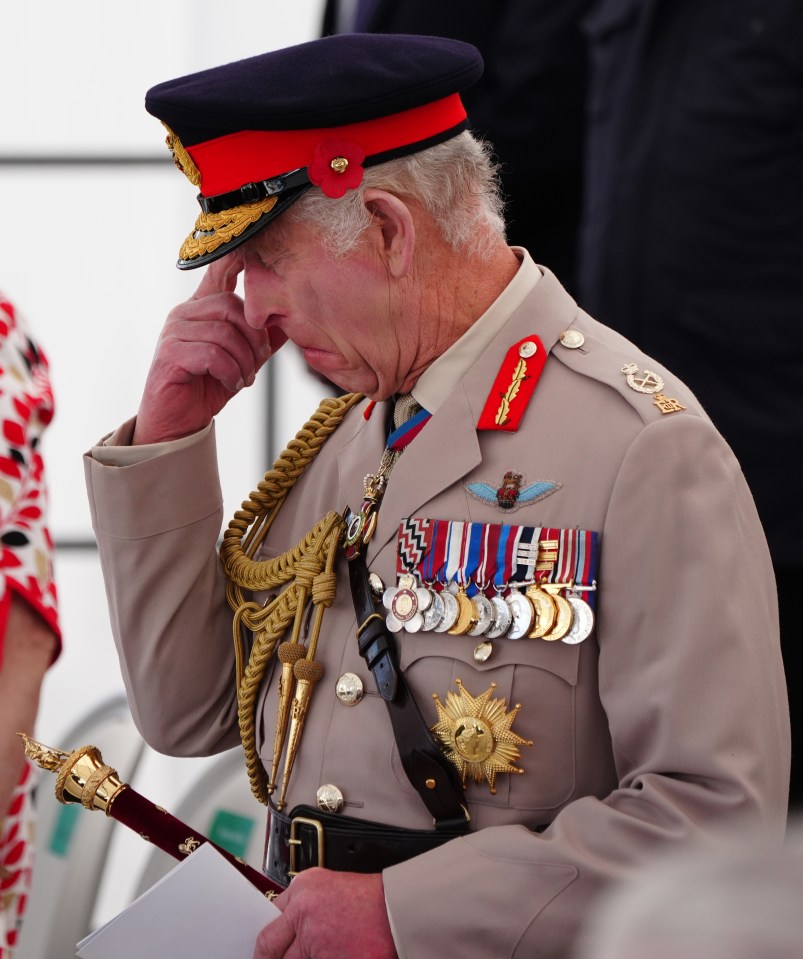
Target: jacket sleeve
691, 682
156, 524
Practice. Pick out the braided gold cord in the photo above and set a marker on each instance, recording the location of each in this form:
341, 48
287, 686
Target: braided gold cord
307, 568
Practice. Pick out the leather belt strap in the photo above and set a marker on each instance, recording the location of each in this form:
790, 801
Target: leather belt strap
433, 776
309, 837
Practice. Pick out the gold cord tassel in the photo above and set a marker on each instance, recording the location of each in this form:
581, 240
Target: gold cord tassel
289, 654
307, 673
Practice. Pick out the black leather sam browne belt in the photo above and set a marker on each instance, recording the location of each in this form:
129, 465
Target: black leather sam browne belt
309, 837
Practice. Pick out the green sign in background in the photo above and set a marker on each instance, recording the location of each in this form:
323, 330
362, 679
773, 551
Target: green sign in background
232, 832
229, 830
63, 829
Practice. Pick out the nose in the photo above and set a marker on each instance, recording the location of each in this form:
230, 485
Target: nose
261, 294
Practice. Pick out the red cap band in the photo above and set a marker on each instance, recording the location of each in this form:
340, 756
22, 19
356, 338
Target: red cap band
228, 162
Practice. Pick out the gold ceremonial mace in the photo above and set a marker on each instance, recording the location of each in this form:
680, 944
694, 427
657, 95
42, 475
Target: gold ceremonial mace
82, 777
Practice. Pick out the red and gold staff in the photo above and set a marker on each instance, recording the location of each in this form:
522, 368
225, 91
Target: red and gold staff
82, 777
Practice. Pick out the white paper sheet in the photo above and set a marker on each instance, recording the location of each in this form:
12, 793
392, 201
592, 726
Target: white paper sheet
203, 908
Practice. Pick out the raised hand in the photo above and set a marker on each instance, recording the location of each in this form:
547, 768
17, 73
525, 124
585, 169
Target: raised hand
206, 353
329, 915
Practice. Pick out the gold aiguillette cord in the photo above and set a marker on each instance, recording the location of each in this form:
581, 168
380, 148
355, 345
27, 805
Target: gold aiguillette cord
304, 573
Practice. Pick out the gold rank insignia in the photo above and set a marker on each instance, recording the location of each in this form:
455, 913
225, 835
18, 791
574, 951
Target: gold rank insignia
666, 404
514, 385
476, 735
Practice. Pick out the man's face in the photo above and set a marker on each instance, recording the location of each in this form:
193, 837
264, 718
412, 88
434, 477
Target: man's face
338, 312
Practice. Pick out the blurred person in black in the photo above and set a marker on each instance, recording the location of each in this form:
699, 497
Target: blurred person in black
692, 235
529, 102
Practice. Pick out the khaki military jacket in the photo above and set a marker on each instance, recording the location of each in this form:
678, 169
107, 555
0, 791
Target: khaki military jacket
669, 723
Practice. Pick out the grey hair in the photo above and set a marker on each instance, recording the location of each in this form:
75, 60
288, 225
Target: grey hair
456, 182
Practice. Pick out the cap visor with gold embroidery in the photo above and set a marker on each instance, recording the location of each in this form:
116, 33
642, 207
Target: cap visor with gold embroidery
256, 134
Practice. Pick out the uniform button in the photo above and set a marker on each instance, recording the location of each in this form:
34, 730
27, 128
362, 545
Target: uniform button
376, 584
528, 349
572, 339
482, 652
349, 689
329, 798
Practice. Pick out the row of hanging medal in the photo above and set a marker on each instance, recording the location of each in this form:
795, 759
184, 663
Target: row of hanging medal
494, 581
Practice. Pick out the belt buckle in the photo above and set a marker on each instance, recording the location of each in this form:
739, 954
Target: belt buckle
295, 841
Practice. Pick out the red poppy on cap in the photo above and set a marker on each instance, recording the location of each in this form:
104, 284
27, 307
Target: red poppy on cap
336, 167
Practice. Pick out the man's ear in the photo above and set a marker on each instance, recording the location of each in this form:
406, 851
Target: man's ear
395, 221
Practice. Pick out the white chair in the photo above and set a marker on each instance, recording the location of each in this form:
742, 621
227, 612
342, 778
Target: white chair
72, 843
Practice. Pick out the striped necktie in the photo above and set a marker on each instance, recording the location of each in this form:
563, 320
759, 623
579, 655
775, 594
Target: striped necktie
409, 418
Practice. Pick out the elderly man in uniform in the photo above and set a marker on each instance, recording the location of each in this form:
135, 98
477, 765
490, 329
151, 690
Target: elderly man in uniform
504, 619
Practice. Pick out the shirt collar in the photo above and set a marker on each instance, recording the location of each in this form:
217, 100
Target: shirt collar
440, 378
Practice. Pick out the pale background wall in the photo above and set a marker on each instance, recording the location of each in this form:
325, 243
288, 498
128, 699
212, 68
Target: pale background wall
92, 213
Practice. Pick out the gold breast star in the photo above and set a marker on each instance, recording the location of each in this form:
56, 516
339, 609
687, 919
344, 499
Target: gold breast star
476, 735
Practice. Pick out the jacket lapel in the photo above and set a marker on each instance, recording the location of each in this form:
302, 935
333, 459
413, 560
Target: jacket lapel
361, 453
444, 451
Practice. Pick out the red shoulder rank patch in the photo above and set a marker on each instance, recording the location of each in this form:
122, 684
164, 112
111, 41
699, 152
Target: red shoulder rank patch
514, 385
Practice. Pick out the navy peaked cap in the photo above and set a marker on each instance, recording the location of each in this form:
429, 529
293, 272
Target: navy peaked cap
255, 134
323, 83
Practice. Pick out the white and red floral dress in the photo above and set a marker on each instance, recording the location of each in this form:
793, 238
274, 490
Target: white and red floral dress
26, 568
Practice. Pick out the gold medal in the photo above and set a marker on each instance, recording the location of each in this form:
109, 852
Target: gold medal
476, 735
546, 611
466, 617
563, 617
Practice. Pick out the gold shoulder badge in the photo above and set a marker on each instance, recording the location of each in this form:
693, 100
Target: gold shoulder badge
476, 735
667, 404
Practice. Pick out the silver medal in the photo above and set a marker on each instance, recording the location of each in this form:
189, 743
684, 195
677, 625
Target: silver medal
484, 613
502, 618
406, 604
434, 614
582, 620
450, 611
523, 614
